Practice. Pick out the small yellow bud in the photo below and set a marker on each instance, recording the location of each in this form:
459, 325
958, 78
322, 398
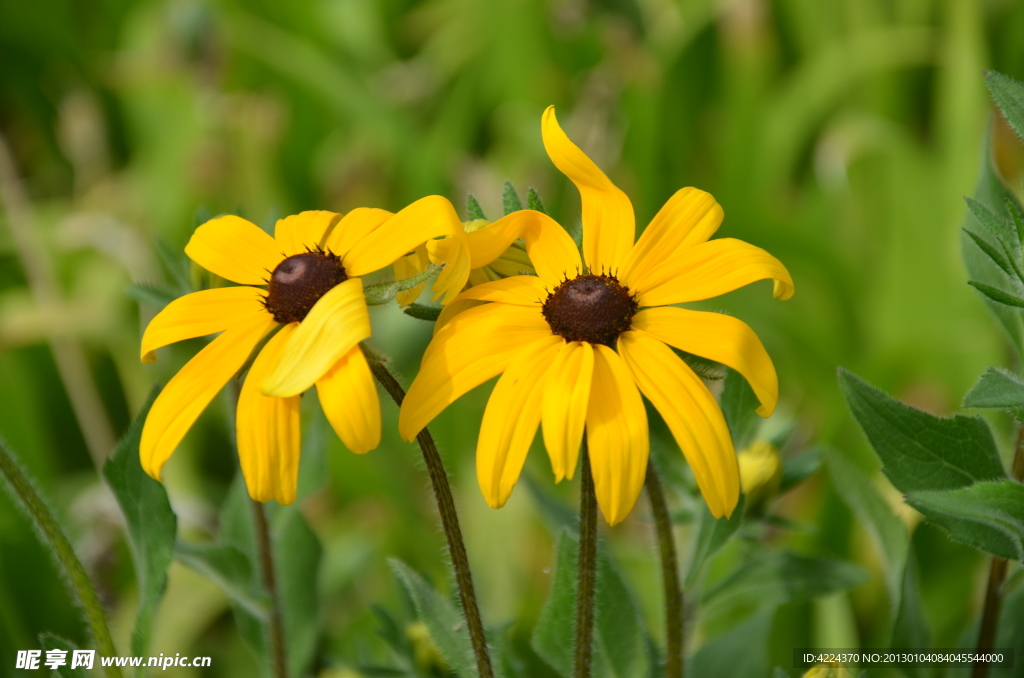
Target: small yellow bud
474, 225
827, 671
760, 472
425, 653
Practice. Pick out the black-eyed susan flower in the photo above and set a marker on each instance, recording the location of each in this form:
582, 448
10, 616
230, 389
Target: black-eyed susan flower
577, 344
304, 282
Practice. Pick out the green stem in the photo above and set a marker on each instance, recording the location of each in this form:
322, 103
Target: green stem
81, 587
276, 629
587, 569
449, 520
674, 661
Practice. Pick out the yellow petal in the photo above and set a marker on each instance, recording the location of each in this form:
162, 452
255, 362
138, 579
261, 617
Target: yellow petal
235, 249
689, 217
353, 227
423, 220
471, 348
268, 431
566, 397
189, 392
350, 401
608, 223
303, 232
713, 268
453, 309
511, 419
521, 290
692, 415
616, 436
410, 266
717, 337
199, 314
552, 251
336, 323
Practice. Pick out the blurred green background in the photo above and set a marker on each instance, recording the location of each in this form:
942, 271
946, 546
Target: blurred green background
839, 135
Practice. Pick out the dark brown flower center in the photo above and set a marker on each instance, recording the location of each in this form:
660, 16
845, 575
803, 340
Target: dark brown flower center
591, 308
299, 281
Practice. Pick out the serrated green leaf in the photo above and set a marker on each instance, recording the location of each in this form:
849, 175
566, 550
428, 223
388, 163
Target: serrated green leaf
706, 369
987, 515
712, 535
1013, 209
996, 388
176, 263
991, 252
1008, 94
473, 209
997, 295
149, 294
739, 405
996, 224
382, 293
423, 312
780, 577
49, 641
920, 451
152, 525
797, 469
445, 623
533, 201
510, 199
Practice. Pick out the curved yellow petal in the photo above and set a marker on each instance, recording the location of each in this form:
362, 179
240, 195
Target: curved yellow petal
353, 227
189, 392
199, 314
608, 223
268, 431
303, 231
521, 290
407, 267
235, 249
552, 251
717, 337
453, 309
617, 437
691, 216
511, 419
350, 401
565, 402
423, 220
692, 414
713, 268
338, 321
471, 348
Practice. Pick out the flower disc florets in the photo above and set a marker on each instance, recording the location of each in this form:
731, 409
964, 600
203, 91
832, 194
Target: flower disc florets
591, 308
299, 281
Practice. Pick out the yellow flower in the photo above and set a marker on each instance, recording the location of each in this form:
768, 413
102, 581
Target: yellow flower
574, 343
760, 472
314, 297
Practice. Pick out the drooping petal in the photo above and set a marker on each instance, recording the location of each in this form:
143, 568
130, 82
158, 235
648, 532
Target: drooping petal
453, 309
717, 337
692, 414
552, 251
353, 227
235, 249
303, 232
189, 392
521, 290
410, 266
199, 314
608, 222
689, 217
616, 436
713, 268
511, 419
471, 348
566, 398
423, 220
350, 401
338, 321
268, 431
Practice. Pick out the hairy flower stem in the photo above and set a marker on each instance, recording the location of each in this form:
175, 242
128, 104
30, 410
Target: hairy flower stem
996, 574
587, 569
449, 519
81, 586
674, 660
276, 630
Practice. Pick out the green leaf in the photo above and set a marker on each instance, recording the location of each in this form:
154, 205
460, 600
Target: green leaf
920, 451
445, 623
49, 641
510, 199
297, 556
780, 577
423, 312
619, 643
152, 525
473, 209
998, 226
997, 295
1009, 96
230, 569
149, 294
176, 263
910, 627
533, 201
740, 652
996, 388
382, 293
991, 252
1013, 209
739, 405
797, 469
711, 537
988, 515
